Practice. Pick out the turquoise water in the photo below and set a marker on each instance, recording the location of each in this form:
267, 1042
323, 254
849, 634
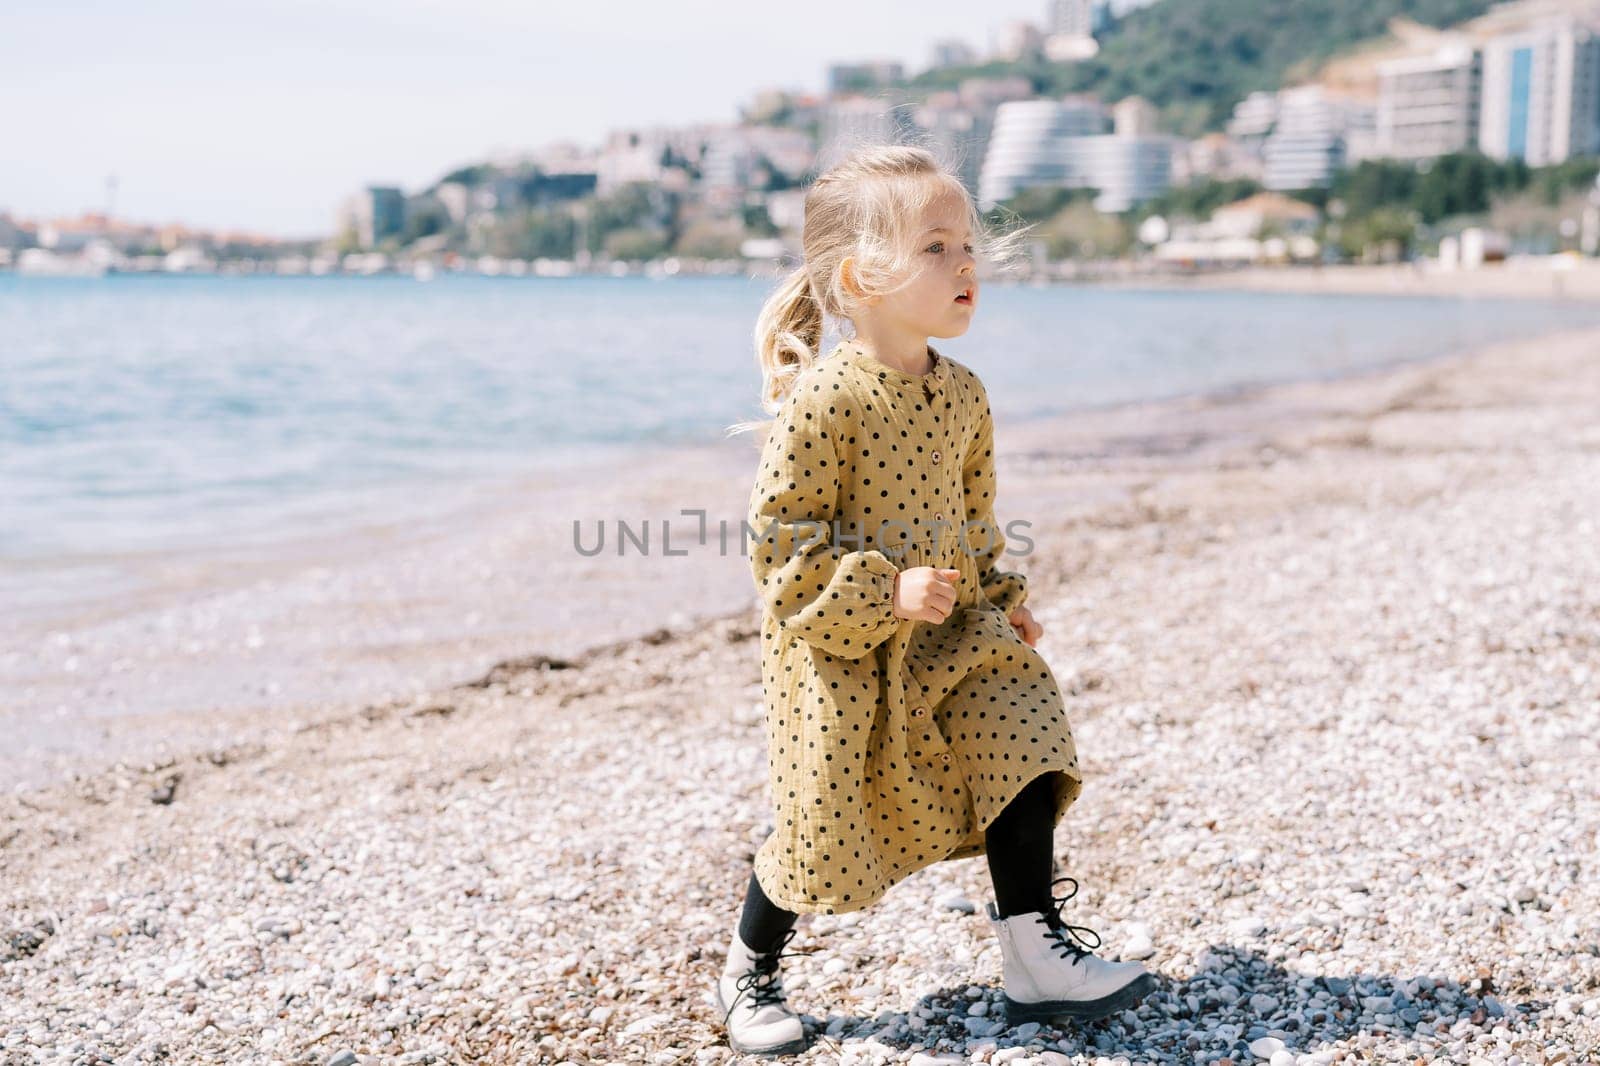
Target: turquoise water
145, 411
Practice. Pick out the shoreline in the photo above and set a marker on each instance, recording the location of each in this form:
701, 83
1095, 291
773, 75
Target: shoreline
383, 652
1565, 276
1329, 661
1556, 279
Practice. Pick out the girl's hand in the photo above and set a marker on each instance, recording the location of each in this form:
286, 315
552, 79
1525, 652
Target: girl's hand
926, 593
1029, 630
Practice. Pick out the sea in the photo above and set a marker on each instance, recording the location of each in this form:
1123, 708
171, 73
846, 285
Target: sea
140, 411
227, 496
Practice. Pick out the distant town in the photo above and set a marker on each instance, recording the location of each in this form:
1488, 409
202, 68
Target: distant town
1464, 143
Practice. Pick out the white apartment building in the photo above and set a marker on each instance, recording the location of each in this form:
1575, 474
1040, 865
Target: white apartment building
1126, 170
635, 153
1027, 146
1064, 144
1541, 94
1313, 136
1428, 105
957, 125
732, 156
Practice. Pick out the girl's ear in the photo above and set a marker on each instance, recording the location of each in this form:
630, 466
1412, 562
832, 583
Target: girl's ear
847, 276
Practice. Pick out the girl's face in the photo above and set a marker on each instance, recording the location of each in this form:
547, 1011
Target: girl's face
942, 296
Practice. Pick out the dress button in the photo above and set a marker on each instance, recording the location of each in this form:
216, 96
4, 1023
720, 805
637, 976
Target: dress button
939, 516
919, 712
935, 455
944, 757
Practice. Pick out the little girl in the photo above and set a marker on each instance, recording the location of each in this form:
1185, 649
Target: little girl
909, 718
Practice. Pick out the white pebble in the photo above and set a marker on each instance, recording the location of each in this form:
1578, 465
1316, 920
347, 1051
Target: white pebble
1265, 1047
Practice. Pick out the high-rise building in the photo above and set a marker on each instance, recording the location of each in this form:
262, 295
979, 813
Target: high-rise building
1312, 138
957, 124
1126, 170
1026, 147
1064, 144
1541, 94
1428, 105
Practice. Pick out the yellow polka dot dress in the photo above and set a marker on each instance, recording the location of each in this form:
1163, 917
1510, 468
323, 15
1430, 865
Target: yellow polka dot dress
892, 743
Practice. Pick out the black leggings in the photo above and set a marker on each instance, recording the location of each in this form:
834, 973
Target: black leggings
1018, 845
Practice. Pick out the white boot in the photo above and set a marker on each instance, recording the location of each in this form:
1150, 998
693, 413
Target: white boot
750, 996
1048, 975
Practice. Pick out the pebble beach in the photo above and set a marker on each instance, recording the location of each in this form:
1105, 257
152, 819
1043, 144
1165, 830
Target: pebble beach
1332, 657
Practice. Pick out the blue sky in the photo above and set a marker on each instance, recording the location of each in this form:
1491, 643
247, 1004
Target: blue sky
264, 116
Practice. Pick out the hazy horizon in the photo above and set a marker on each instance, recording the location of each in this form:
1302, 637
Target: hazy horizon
264, 119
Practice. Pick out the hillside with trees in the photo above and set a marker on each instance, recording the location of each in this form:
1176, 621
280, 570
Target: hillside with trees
1196, 59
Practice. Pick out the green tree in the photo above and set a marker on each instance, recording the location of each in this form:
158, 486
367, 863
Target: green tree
347, 240
1551, 184
710, 239
635, 243
629, 207
425, 217
1386, 233
1078, 231
1374, 182
757, 222
1197, 199
1196, 59
1036, 204
1455, 184
476, 174
536, 233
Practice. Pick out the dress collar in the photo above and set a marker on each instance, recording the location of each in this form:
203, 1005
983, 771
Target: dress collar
931, 382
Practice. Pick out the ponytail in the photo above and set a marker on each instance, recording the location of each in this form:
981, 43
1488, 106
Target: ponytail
788, 340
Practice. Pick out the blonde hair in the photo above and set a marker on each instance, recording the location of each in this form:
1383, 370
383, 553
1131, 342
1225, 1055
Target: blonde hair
866, 207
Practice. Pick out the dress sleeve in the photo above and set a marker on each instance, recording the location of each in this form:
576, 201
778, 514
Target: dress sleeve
840, 602
1006, 589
